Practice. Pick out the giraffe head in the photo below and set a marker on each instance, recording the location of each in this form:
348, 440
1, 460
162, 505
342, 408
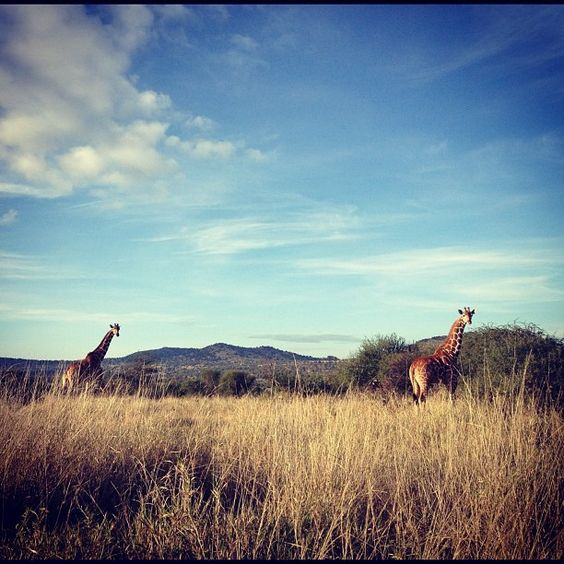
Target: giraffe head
115, 329
467, 315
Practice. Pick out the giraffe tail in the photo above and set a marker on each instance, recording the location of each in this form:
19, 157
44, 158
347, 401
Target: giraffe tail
412, 380
414, 384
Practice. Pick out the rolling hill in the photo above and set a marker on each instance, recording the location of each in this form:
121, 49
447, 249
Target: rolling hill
219, 356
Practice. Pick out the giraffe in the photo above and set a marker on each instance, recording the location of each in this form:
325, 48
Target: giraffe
90, 364
441, 365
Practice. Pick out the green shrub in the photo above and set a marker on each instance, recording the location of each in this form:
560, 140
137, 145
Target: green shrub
209, 380
393, 371
364, 367
235, 383
514, 357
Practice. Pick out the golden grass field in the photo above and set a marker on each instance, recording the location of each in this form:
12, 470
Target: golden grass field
280, 477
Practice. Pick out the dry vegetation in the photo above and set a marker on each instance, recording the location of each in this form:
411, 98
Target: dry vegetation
279, 476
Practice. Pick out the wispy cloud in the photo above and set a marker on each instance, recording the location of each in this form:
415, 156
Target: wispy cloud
244, 42
203, 148
8, 217
507, 42
302, 338
526, 273
530, 289
414, 262
15, 266
288, 228
201, 123
77, 315
236, 236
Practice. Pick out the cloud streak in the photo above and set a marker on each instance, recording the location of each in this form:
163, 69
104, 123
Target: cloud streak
506, 43
77, 315
9, 217
303, 338
414, 262
238, 235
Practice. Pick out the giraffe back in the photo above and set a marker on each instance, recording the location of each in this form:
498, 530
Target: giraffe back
425, 371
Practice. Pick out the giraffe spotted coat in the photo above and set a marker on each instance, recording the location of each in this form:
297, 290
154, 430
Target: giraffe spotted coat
89, 366
441, 365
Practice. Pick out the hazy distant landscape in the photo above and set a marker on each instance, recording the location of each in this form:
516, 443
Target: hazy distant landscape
188, 364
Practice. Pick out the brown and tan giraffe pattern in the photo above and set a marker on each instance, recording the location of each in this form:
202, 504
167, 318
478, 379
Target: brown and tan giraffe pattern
441, 365
89, 366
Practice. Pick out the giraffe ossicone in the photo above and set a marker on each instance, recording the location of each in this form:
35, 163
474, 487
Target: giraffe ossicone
89, 366
441, 365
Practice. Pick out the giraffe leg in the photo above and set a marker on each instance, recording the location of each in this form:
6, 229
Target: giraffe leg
452, 385
415, 387
66, 381
423, 386
421, 398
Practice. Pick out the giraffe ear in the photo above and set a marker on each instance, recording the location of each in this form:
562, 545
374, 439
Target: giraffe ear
473, 312
460, 311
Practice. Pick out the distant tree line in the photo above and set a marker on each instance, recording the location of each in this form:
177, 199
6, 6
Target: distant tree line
505, 359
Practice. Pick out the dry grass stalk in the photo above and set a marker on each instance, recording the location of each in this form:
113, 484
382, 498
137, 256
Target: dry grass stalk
279, 477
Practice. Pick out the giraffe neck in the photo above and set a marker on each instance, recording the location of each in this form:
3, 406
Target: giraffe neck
450, 349
98, 354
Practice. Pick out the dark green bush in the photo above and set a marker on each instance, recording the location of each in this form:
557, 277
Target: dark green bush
365, 366
235, 382
209, 381
393, 371
512, 358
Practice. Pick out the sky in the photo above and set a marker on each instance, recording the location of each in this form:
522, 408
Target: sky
300, 176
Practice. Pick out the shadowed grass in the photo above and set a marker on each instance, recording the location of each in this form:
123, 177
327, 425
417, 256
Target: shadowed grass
115, 476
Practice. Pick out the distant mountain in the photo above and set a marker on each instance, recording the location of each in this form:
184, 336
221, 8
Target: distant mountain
177, 360
182, 362
220, 352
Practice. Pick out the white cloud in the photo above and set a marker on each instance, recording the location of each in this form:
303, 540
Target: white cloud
130, 24
152, 101
19, 189
244, 42
256, 155
203, 148
202, 123
61, 120
82, 163
7, 218
207, 148
84, 124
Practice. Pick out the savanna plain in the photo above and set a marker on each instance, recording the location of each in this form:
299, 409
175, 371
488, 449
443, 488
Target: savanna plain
282, 475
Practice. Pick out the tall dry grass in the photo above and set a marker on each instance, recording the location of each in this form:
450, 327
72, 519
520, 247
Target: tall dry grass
118, 476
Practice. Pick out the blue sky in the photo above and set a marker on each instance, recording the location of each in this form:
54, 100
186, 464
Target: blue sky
297, 176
